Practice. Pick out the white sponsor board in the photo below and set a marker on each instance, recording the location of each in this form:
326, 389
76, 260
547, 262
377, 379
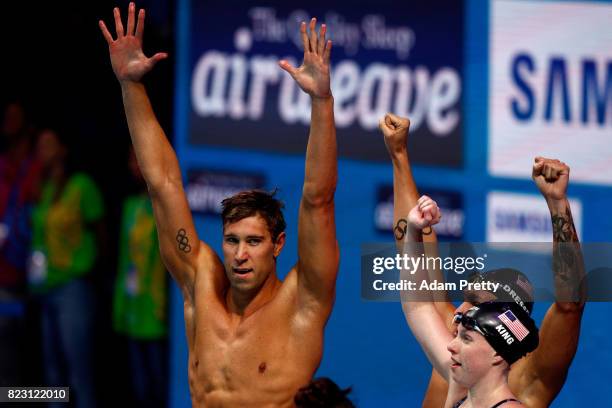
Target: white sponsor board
514, 217
550, 87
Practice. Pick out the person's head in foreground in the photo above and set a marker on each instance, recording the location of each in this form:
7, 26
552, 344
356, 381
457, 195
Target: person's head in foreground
323, 393
489, 338
253, 237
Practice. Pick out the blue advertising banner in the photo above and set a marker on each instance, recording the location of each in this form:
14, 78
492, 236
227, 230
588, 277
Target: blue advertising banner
207, 188
386, 57
450, 227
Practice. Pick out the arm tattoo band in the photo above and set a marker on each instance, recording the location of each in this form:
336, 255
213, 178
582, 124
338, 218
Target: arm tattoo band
183, 241
400, 229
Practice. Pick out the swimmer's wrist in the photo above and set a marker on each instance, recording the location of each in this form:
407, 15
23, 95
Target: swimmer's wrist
398, 153
557, 206
322, 98
415, 232
127, 83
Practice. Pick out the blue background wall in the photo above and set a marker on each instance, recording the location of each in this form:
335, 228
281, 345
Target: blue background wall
367, 344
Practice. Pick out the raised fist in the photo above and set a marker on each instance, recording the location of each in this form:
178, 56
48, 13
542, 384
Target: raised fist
425, 214
395, 132
551, 176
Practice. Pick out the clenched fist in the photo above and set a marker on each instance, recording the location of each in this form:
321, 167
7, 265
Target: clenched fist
551, 176
395, 132
425, 214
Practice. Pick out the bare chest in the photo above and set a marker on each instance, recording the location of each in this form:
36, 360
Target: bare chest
260, 358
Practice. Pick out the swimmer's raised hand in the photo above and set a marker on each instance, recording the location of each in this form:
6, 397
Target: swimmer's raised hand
313, 75
425, 214
127, 58
551, 176
395, 131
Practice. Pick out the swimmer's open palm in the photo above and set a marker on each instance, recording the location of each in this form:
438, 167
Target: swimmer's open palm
313, 75
128, 61
425, 214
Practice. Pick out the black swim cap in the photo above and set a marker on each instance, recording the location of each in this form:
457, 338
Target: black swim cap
507, 328
514, 286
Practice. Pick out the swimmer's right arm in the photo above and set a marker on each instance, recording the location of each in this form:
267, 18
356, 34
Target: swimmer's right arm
395, 130
405, 194
425, 323
179, 243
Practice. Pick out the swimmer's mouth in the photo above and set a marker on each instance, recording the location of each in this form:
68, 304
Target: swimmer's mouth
455, 363
242, 271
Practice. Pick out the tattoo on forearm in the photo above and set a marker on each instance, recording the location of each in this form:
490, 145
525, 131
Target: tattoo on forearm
563, 227
400, 229
183, 241
567, 257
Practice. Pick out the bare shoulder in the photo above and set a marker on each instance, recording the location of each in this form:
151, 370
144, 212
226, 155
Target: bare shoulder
524, 383
299, 307
210, 272
519, 376
207, 257
535, 395
288, 292
310, 310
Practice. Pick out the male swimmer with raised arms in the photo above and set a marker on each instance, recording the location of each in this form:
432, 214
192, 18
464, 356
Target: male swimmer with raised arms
253, 340
537, 378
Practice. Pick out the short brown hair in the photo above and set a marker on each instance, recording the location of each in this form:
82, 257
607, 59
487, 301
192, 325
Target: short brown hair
255, 202
323, 393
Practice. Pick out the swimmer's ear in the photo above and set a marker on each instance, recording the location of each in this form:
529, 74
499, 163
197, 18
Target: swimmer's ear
497, 359
279, 244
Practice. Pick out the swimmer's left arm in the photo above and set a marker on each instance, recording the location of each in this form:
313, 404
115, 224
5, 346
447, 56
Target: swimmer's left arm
549, 363
546, 368
568, 263
317, 246
552, 178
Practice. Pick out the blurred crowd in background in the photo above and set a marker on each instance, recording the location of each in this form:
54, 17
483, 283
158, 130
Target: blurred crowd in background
83, 292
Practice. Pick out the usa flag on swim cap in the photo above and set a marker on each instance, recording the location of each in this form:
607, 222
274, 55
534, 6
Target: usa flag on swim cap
525, 285
513, 324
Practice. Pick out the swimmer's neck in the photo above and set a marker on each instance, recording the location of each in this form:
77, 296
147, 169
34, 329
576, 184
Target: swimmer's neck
491, 389
245, 303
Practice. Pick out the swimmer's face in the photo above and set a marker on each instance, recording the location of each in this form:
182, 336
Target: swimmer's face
471, 356
249, 253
